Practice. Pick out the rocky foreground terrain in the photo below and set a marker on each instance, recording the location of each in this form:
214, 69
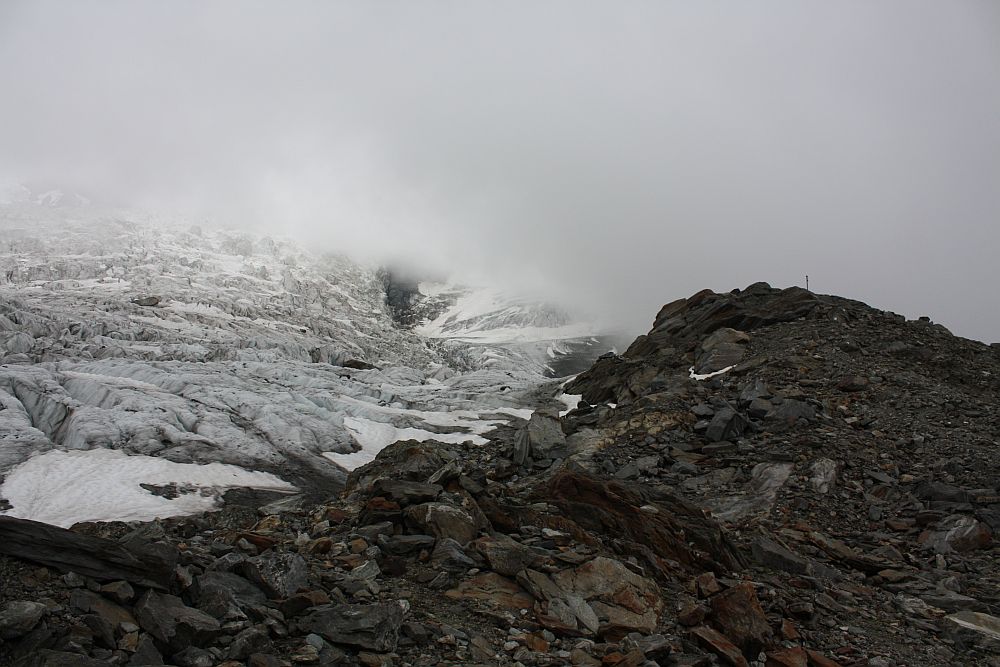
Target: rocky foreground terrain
769, 477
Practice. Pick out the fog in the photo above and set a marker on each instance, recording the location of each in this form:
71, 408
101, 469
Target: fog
612, 156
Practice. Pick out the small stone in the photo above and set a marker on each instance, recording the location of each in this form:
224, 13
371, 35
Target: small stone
707, 584
119, 591
306, 653
692, 614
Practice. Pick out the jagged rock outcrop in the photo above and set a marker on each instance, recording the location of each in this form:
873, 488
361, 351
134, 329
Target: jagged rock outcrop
139, 562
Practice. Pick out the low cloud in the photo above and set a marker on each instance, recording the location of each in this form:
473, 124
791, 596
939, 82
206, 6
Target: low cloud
611, 156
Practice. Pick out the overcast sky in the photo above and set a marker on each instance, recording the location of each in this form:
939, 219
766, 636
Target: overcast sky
615, 154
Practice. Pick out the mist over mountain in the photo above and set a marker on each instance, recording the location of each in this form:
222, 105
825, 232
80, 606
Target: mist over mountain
595, 154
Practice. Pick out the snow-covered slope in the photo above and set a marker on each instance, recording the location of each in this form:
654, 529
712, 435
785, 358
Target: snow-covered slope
489, 316
153, 337
505, 330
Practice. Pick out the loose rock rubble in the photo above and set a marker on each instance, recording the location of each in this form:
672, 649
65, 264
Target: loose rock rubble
827, 495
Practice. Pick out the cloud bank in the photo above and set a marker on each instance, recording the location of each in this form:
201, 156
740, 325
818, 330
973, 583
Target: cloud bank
611, 155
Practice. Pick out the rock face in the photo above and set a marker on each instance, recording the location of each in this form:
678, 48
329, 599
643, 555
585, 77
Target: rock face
850, 441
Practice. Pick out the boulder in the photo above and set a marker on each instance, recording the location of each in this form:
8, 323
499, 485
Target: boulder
449, 555
406, 492
972, 629
443, 521
241, 591
722, 349
19, 343
727, 424
372, 626
958, 532
90, 602
401, 545
278, 574
718, 644
622, 600
173, 623
255, 639
737, 614
502, 554
493, 589
18, 617
542, 437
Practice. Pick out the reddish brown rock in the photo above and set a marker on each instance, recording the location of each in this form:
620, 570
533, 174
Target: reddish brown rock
623, 601
788, 631
692, 614
634, 658
299, 602
958, 533
738, 615
718, 644
817, 659
676, 530
536, 642
707, 584
787, 657
493, 589
262, 542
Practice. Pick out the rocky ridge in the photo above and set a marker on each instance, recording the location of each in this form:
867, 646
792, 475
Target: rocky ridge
769, 477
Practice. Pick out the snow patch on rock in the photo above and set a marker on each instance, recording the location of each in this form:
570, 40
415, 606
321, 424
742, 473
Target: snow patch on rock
66, 487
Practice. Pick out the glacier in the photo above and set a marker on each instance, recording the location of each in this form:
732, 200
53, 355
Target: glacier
132, 343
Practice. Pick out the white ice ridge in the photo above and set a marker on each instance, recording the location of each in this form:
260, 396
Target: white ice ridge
705, 376
66, 487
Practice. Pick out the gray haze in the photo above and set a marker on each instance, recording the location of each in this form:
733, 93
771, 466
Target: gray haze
615, 155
